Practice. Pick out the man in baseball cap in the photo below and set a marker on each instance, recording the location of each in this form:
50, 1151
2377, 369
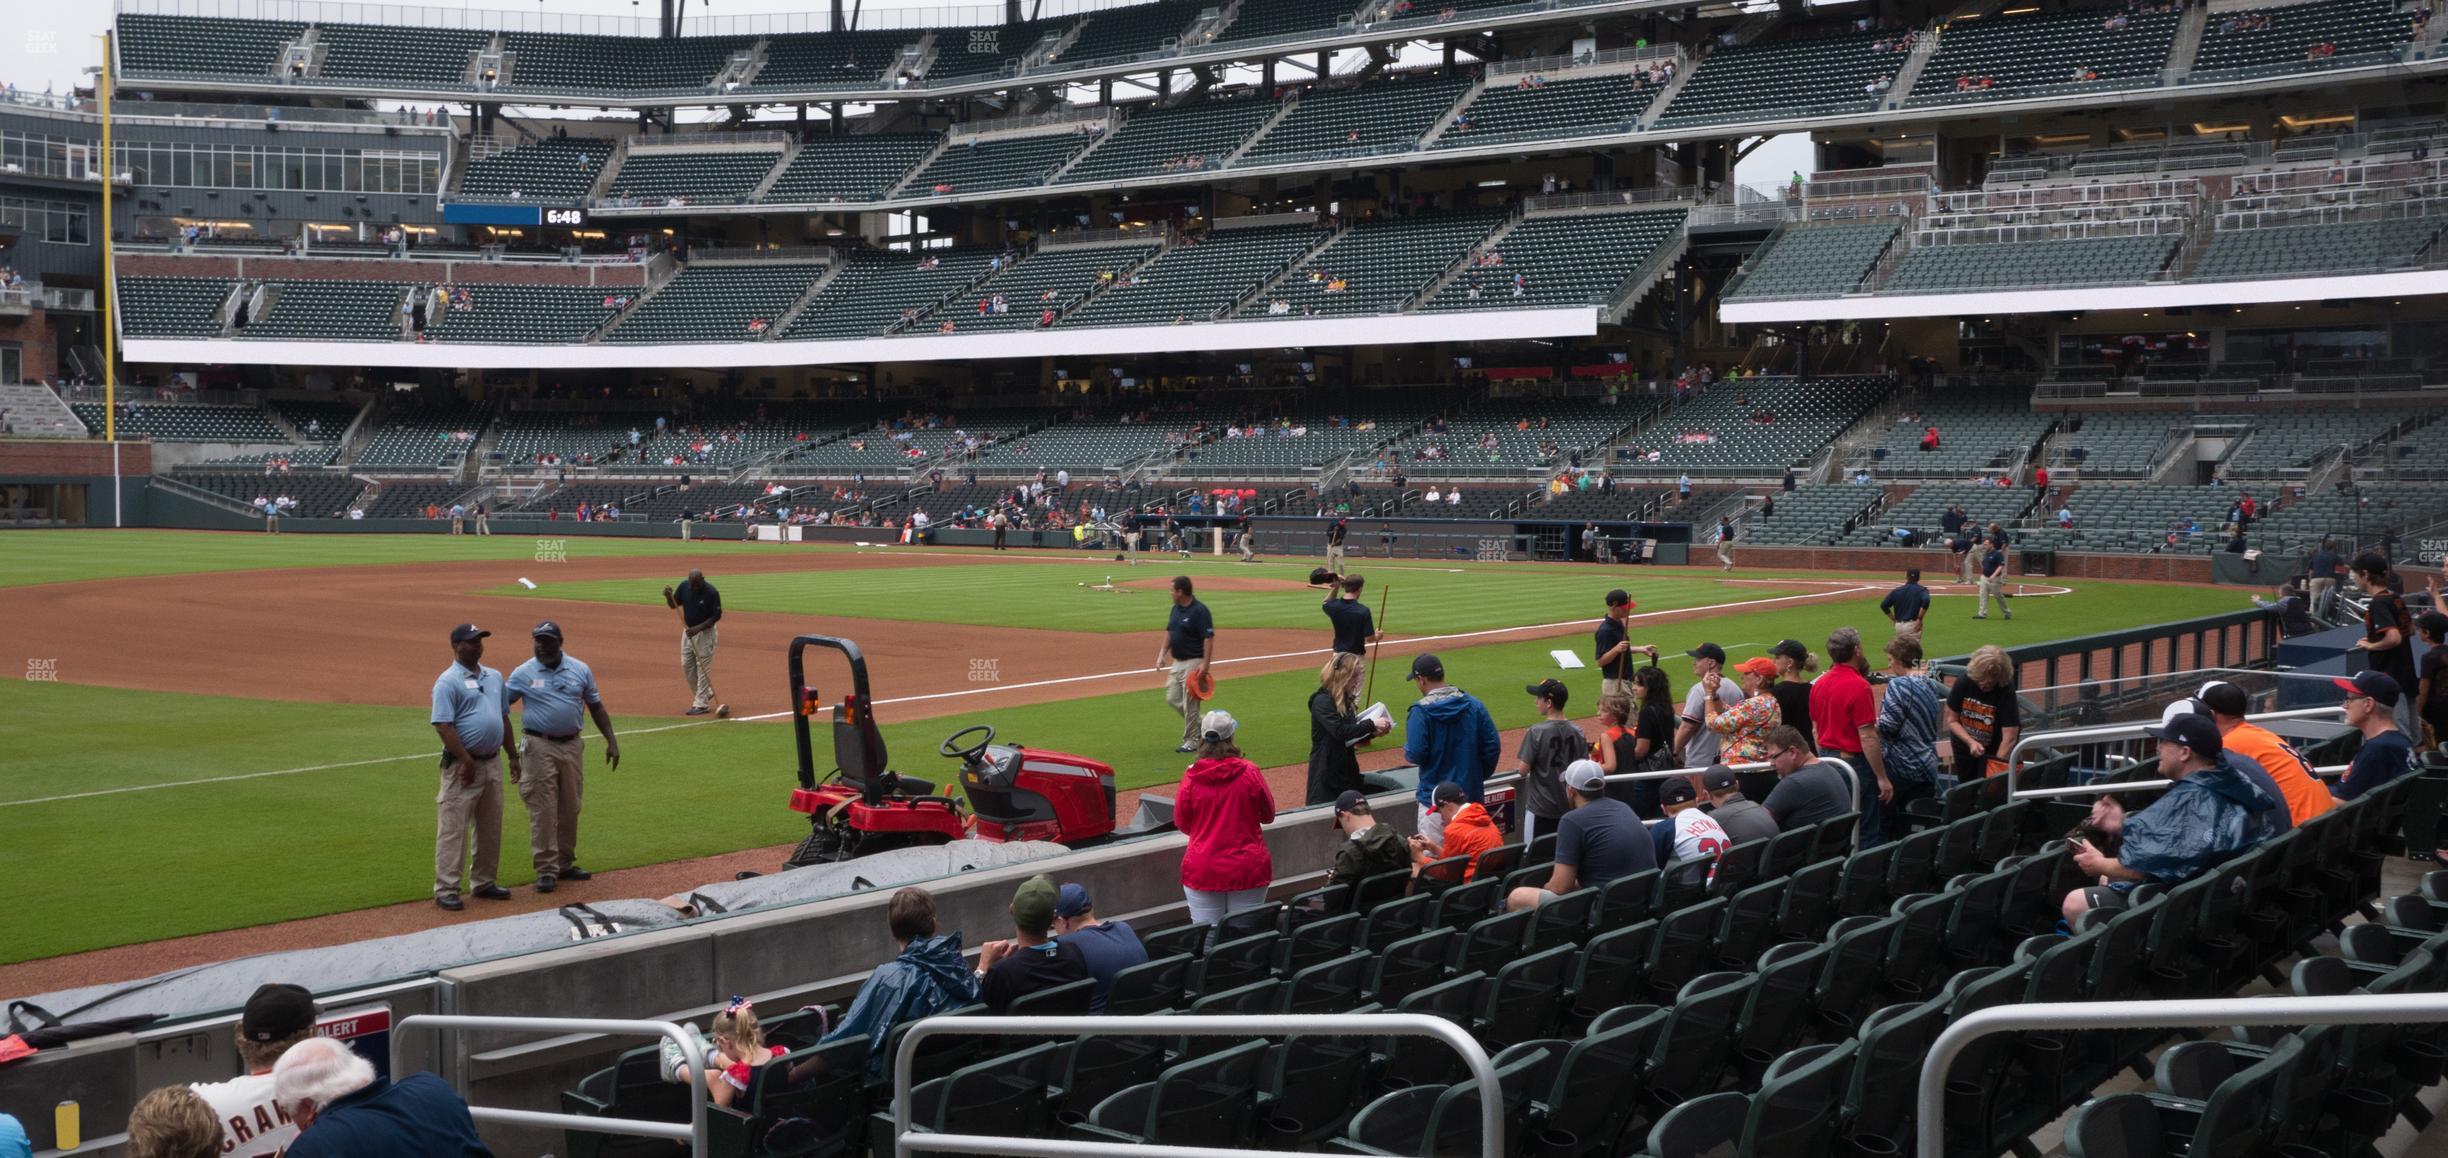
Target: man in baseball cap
2207, 816
1688, 833
1600, 840
1108, 947
1614, 646
1449, 735
1368, 848
473, 721
557, 691
1033, 959
2226, 704
277, 1016
1698, 744
2387, 753
1741, 817
1462, 828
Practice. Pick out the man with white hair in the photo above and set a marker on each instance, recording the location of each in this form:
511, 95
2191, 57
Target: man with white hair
344, 1111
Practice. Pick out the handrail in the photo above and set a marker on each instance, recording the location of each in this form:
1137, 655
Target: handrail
2095, 788
2353, 1009
905, 1142
2133, 731
690, 1048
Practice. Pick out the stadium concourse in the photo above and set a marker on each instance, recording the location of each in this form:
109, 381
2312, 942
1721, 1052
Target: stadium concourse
1989, 566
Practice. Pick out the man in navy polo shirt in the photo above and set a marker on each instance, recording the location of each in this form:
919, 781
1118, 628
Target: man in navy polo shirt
1189, 647
1109, 947
556, 689
472, 719
344, 1111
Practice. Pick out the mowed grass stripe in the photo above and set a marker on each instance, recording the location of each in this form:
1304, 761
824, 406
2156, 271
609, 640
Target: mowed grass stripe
279, 848
1055, 596
71, 556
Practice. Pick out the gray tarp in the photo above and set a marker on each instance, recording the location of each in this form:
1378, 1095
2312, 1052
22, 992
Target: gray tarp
225, 985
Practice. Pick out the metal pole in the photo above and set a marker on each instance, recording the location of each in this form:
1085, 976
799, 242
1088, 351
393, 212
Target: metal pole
2356, 1009
1483, 1072
2014, 756
110, 298
694, 1052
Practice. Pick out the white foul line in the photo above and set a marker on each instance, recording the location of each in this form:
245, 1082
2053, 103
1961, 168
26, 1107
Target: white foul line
986, 690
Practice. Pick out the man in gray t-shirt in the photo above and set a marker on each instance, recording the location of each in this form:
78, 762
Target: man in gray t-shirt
1808, 791
1546, 749
1693, 738
1743, 819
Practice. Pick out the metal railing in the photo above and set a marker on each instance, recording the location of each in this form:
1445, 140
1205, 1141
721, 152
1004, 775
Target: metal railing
694, 1133
907, 1142
1653, 195
1543, 64
2354, 1009
2119, 732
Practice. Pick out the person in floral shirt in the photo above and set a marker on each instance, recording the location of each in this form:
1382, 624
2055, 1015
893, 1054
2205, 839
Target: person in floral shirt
1744, 726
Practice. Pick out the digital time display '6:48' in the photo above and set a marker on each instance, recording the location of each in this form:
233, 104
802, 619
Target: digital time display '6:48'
565, 217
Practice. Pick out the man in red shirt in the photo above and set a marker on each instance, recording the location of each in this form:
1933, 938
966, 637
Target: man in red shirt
1846, 718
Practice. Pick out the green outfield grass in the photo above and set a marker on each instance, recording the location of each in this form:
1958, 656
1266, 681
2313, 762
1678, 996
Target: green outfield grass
1419, 598
195, 857
71, 556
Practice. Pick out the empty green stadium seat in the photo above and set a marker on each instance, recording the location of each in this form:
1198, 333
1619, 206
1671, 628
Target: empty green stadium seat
2031, 264
1385, 115
1184, 137
1193, 282
172, 307
854, 168
2038, 53
1570, 259
1515, 109
695, 177
1815, 261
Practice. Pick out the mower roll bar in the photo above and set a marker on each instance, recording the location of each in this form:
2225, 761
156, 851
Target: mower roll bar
798, 681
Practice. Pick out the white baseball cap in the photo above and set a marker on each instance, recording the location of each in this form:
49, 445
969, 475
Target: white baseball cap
1218, 725
1585, 775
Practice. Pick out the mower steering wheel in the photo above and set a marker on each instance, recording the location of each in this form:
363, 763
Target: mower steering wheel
952, 745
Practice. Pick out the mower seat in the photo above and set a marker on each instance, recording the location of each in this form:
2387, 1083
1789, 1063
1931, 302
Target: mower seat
858, 749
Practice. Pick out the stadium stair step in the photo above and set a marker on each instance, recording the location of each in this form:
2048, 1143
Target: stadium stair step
783, 324
1901, 88
926, 162
1428, 140
2188, 43
1660, 263
1282, 109
774, 174
1289, 272
1665, 97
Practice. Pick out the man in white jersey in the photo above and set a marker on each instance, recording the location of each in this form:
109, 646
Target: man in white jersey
1687, 833
277, 1017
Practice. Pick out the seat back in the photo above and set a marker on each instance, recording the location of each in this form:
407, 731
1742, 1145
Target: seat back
1328, 986
1892, 1042
1264, 995
1749, 926
1809, 902
1250, 922
1563, 920
1587, 1105
1912, 863
1779, 1008
1626, 900
1527, 999
1235, 963
1211, 1101
1790, 850
1069, 999
1863, 890
1856, 961
1185, 939
1376, 890
1393, 920
1796, 1110
1461, 906
1410, 965
1608, 972
1158, 984
1489, 943
829, 1104
2240, 1115
1911, 970
1682, 947
1738, 867
1692, 1052
1313, 1082
1836, 835
1318, 941
1002, 1096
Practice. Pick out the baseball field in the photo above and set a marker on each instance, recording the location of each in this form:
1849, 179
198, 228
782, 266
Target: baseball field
218, 731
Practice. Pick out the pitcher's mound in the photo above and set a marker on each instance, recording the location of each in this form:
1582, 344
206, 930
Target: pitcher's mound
1220, 583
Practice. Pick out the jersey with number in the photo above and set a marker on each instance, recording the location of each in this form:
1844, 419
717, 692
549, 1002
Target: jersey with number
252, 1125
1698, 835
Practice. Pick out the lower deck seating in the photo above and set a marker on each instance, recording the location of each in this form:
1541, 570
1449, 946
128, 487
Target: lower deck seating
1375, 266
1195, 278
1818, 261
177, 422
319, 494
717, 303
330, 311
524, 315
2031, 264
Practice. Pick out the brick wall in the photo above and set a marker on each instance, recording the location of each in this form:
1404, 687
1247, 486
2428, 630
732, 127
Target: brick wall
38, 345
51, 457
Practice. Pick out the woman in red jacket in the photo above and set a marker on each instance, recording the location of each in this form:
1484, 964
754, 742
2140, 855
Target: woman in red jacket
1223, 804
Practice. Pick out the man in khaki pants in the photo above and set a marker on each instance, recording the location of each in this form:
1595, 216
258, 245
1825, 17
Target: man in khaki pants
472, 719
700, 607
556, 688
1188, 648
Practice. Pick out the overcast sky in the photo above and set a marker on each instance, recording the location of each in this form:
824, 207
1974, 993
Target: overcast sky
58, 40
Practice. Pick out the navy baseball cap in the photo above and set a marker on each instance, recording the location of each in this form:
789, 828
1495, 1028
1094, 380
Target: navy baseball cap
1708, 651
1450, 793
1620, 598
1552, 689
2379, 685
1351, 802
467, 631
2193, 730
548, 627
1675, 792
276, 1011
1428, 666
1718, 778
1071, 900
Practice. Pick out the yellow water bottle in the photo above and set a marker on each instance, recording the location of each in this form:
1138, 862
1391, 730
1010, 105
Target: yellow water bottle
67, 1126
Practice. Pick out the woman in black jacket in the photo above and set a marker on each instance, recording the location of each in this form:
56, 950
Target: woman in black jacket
1334, 766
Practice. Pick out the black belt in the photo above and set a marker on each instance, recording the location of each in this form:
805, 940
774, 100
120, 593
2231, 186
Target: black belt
555, 739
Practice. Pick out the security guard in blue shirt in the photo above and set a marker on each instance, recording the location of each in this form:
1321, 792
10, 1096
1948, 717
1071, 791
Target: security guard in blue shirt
556, 689
473, 721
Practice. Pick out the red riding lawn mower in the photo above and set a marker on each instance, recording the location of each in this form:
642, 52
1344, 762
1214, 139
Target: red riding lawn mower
1014, 793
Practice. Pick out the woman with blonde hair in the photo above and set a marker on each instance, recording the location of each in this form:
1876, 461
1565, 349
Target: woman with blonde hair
173, 1122
1984, 714
1334, 766
739, 1052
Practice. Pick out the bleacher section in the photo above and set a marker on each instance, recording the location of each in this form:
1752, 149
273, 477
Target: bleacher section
379, 55
1720, 432
975, 52
522, 315
2114, 445
981, 164
1382, 116
1975, 435
1921, 511
1086, 446
407, 499
1819, 261
1191, 282
716, 303
1131, 30
1380, 264
1256, 20
558, 171
159, 45
813, 60
1557, 108
855, 168
1161, 140
1785, 78
1520, 438
423, 438
2278, 448
319, 494
2137, 519
2040, 53
2280, 38
1809, 515
2065, 262
1278, 451
1037, 289
633, 65
172, 307
330, 311
875, 292
2305, 250
706, 177
316, 421
1570, 260
185, 423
